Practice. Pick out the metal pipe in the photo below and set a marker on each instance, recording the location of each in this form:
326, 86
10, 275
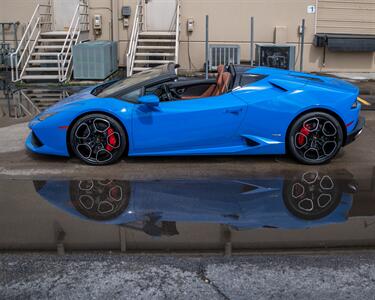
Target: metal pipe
3, 31
15, 27
252, 41
302, 43
206, 47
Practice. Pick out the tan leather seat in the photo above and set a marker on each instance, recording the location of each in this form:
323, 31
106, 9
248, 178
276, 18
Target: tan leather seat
222, 85
212, 89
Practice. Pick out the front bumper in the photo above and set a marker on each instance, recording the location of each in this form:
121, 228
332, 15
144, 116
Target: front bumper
356, 131
34, 144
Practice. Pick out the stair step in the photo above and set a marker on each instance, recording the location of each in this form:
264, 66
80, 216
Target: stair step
43, 96
140, 69
154, 54
39, 77
42, 91
157, 33
45, 105
156, 41
156, 47
45, 54
51, 47
45, 101
43, 61
42, 69
152, 61
52, 40
54, 33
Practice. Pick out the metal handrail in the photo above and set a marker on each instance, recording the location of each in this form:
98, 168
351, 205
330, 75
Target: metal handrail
23, 109
19, 59
37, 110
177, 31
77, 24
130, 56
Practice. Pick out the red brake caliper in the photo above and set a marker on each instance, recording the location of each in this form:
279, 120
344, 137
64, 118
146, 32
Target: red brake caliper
112, 141
301, 137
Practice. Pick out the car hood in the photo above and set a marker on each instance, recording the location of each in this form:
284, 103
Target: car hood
81, 95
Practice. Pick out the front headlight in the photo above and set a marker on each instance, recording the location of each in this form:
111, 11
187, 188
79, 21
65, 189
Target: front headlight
45, 116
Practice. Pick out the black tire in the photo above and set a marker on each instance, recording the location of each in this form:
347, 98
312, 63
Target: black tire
312, 195
100, 200
315, 138
98, 139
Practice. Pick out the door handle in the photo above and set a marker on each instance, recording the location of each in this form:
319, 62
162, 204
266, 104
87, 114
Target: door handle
235, 111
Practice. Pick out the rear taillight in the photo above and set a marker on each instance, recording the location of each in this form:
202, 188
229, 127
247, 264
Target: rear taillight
363, 101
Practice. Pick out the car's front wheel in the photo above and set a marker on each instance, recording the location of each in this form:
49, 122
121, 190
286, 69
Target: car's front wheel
315, 138
97, 139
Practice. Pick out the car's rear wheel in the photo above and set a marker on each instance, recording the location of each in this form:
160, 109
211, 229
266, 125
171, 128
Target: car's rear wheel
315, 138
97, 139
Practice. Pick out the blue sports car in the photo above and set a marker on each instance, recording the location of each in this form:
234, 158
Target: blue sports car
244, 111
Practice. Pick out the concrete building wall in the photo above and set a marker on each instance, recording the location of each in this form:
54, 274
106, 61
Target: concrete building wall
229, 23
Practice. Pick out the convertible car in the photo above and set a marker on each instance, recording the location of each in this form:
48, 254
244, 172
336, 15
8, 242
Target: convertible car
243, 111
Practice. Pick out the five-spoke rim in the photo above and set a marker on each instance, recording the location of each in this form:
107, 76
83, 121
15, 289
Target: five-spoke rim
316, 139
312, 194
96, 139
100, 199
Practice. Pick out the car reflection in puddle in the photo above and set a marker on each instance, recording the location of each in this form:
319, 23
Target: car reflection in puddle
296, 201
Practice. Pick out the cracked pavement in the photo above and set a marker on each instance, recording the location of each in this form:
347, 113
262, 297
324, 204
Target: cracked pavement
115, 276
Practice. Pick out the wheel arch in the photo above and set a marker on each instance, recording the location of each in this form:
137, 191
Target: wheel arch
324, 110
69, 147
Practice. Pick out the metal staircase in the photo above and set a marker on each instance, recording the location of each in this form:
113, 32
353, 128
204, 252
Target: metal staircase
33, 100
44, 54
148, 49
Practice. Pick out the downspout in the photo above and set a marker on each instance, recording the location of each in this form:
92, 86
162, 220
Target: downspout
115, 20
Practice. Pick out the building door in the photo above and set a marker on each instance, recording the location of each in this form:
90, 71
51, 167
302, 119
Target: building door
160, 15
63, 11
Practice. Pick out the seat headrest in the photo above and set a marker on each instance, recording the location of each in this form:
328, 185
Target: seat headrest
220, 69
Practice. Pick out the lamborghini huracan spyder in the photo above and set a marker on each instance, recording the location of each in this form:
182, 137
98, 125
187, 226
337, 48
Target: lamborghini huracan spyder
243, 111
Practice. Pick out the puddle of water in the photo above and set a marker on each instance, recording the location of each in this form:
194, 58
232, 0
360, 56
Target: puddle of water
301, 209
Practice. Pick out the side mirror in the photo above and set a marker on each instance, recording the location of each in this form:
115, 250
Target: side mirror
151, 100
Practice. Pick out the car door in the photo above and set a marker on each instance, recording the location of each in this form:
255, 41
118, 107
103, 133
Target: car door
186, 126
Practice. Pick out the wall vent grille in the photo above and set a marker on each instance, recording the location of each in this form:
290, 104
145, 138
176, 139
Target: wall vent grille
223, 55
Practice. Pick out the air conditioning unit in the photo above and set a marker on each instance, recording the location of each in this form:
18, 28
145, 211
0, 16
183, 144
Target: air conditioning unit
94, 60
223, 55
280, 56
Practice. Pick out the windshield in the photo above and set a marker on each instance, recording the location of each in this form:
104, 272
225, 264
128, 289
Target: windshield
136, 79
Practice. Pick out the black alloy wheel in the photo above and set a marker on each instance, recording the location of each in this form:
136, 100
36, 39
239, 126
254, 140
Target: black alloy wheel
315, 138
97, 139
312, 195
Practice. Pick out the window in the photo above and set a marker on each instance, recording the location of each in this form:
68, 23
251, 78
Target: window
132, 96
114, 88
